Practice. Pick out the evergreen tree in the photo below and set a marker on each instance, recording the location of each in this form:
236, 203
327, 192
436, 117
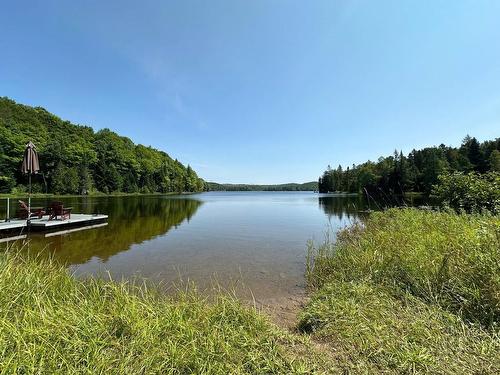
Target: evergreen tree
416, 172
474, 154
72, 181
495, 161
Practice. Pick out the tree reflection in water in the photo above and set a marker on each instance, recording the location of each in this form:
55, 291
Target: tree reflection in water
343, 207
132, 220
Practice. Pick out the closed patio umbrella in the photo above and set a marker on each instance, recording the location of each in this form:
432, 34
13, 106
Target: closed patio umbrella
30, 166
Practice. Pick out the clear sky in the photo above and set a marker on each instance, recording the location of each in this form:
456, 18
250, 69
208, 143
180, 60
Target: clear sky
261, 91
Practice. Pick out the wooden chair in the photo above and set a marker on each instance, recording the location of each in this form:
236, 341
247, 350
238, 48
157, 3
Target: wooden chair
23, 211
58, 209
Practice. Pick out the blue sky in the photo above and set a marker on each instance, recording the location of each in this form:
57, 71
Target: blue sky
261, 91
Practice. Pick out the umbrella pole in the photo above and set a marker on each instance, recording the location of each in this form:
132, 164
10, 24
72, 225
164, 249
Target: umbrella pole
29, 200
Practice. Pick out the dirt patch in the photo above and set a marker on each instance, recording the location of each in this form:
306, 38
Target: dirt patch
283, 311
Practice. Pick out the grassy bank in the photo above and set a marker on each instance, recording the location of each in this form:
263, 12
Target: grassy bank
52, 323
409, 291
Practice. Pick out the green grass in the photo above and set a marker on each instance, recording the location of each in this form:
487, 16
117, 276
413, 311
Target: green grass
409, 291
371, 331
53, 323
442, 257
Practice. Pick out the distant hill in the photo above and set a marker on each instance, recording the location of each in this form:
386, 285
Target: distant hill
75, 159
308, 186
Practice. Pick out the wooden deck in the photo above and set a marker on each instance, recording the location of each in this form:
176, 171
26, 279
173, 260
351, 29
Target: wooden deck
44, 224
13, 225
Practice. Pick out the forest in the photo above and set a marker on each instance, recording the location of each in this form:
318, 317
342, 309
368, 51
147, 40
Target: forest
75, 159
418, 171
307, 186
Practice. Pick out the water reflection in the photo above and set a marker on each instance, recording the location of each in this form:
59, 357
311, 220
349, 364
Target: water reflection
352, 207
132, 221
342, 207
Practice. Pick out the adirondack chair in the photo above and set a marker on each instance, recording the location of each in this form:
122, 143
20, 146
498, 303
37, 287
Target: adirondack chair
57, 209
35, 211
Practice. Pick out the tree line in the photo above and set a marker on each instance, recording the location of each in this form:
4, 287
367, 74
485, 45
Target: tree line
418, 171
308, 186
76, 160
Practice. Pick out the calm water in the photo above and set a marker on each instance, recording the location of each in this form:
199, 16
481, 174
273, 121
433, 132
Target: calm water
247, 241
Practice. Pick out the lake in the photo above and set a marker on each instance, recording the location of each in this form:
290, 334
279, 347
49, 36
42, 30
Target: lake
254, 243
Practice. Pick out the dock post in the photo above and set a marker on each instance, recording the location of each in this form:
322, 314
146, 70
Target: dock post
7, 219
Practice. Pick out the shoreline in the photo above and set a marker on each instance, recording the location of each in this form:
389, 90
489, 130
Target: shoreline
43, 195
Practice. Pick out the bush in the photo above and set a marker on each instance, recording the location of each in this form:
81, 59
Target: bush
470, 192
6, 184
19, 190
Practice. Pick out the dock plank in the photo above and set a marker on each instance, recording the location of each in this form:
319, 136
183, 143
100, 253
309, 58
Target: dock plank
45, 224
75, 219
12, 225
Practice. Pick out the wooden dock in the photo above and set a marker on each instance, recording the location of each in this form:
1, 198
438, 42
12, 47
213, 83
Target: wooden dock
44, 224
12, 225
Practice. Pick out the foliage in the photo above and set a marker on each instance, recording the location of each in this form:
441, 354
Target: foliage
52, 323
495, 161
6, 184
75, 159
417, 172
308, 186
470, 192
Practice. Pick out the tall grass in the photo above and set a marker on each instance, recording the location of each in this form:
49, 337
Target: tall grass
52, 323
409, 291
442, 257
370, 332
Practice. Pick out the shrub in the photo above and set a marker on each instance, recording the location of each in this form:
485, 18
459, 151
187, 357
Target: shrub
6, 184
470, 192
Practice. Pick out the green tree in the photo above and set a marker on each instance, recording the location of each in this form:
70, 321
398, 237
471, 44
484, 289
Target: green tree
6, 184
416, 172
84, 179
103, 159
58, 183
72, 181
495, 161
